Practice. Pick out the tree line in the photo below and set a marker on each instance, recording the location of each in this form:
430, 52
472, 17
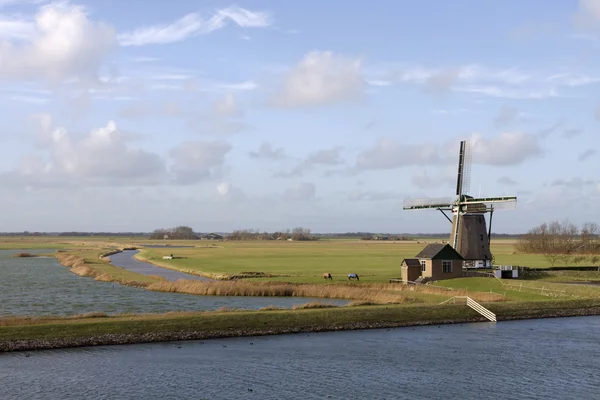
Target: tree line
563, 242
299, 234
177, 233
187, 233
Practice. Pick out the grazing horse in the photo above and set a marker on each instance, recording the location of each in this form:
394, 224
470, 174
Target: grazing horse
353, 276
327, 275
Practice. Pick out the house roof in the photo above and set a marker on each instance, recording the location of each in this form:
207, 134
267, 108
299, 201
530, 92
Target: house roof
412, 262
212, 235
439, 250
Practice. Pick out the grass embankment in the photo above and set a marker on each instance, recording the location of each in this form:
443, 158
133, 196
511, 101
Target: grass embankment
98, 268
45, 333
524, 290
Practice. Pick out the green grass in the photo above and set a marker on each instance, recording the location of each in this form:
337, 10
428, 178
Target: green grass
307, 261
145, 328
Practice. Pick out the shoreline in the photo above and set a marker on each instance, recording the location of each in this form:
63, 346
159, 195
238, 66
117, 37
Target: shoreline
85, 332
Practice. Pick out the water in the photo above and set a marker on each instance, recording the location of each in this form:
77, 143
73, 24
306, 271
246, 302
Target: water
41, 286
536, 359
125, 260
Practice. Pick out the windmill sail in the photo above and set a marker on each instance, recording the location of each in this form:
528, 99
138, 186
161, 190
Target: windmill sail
469, 235
428, 202
463, 180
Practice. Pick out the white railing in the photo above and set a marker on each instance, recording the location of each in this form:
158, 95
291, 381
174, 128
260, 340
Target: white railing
475, 306
481, 309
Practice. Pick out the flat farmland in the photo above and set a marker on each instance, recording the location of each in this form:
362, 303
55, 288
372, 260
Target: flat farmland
307, 261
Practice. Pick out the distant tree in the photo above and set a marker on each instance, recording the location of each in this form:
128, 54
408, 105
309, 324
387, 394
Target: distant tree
562, 241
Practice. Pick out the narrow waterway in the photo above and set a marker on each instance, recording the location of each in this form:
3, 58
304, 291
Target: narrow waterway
38, 286
126, 261
552, 359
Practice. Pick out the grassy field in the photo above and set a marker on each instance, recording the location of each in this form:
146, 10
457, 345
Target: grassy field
289, 269
307, 261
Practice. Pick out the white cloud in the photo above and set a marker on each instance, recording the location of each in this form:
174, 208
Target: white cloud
509, 93
508, 148
378, 82
587, 14
246, 85
512, 83
193, 24
320, 78
589, 153
64, 44
195, 161
16, 28
505, 180
388, 154
101, 158
229, 193
223, 188
266, 151
226, 107
331, 156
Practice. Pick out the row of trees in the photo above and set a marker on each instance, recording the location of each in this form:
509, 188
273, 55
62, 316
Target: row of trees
299, 233
177, 233
563, 242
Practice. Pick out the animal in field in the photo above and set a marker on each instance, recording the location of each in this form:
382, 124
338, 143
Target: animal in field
353, 276
327, 275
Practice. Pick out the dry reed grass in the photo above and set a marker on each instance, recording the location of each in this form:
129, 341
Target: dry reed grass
373, 293
242, 288
312, 304
34, 320
24, 255
269, 308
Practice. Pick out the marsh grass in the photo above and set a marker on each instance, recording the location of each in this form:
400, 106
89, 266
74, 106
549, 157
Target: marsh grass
375, 293
281, 289
24, 255
312, 304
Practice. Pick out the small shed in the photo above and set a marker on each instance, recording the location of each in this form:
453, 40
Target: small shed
506, 272
411, 270
440, 261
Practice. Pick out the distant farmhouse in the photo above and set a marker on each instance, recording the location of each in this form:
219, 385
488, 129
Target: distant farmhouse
436, 261
211, 236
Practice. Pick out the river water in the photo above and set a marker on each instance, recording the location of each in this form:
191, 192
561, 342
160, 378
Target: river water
536, 359
125, 260
41, 286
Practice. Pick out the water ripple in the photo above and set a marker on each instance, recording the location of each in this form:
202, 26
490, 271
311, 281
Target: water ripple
549, 359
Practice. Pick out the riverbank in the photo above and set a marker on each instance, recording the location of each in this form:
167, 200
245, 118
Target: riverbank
22, 334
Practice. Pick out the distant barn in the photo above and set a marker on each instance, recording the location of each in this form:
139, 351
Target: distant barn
211, 236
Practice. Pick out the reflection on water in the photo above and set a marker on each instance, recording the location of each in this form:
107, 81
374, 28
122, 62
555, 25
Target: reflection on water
41, 286
535, 359
125, 260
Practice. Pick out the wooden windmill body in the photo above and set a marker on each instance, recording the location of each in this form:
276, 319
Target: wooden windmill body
470, 234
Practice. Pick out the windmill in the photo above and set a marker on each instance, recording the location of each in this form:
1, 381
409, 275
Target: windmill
468, 236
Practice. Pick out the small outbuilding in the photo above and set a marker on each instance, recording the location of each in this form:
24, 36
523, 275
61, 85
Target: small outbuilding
437, 261
411, 270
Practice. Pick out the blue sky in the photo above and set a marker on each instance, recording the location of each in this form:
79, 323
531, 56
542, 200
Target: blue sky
270, 115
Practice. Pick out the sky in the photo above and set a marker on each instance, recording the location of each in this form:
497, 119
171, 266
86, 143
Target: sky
137, 115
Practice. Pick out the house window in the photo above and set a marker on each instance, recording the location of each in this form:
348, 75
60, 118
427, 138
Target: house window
447, 266
423, 266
